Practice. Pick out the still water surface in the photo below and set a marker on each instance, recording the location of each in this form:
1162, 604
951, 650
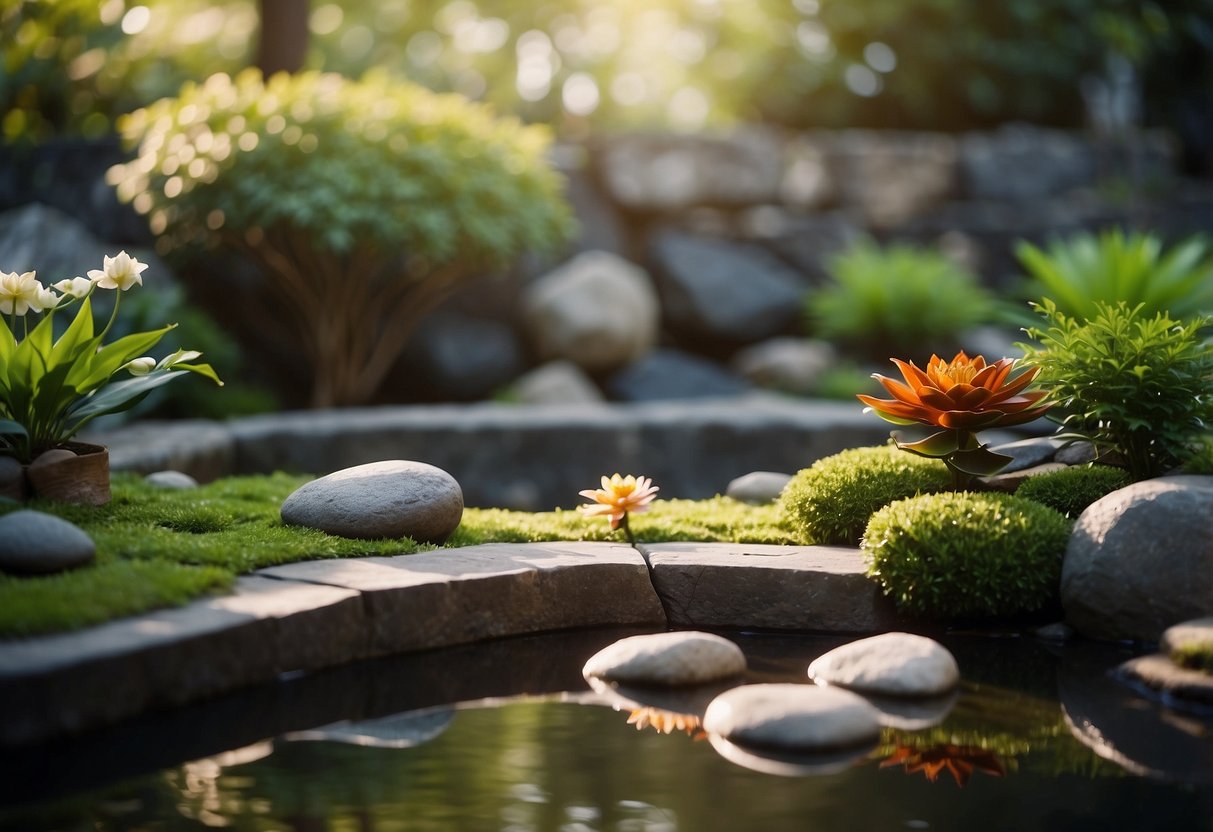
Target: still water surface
1039, 739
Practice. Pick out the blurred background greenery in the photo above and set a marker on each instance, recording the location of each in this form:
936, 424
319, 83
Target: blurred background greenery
71, 66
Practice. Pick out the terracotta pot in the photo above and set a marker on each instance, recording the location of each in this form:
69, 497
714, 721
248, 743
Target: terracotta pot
83, 477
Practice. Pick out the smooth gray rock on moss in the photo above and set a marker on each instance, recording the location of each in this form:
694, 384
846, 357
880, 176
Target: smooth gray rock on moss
394, 498
12, 479
1028, 453
171, 480
891, 664
682, 658
758, 487
32, 542
1141, 559
792, 716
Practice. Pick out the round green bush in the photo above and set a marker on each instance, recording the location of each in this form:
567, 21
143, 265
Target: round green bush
966, 555
1072, 490
830, 502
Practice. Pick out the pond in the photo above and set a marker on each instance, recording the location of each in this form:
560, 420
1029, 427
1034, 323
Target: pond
507, 736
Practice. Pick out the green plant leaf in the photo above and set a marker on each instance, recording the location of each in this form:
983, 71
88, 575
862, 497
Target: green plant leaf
980, 462
937, 445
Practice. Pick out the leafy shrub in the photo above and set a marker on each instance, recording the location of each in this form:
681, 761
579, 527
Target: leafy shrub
364, 203
1201, 460
900, 300
1141, 386
831, 501
1073, 489
1084, 271
964, 555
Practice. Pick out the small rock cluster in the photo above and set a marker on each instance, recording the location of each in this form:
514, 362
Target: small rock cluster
1161, 672
844, 711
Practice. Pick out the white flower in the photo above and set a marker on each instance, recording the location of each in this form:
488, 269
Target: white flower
121, 272
140, 366
19, 293
47, 299
75, 287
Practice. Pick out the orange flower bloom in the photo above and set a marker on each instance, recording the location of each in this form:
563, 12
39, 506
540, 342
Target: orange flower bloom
619, 496
667, 722
958, 761
961, 394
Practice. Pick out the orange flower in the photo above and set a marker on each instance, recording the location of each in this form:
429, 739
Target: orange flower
961, 394
958, 761
667, 722
619, 496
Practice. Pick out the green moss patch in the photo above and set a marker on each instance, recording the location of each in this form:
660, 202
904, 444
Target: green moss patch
1070, 491
1197, 656
965, 555
830, 502
160, 548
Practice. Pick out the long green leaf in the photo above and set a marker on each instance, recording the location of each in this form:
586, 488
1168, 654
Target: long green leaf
107, 361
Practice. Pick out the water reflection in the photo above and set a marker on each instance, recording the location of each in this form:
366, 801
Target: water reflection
518, 759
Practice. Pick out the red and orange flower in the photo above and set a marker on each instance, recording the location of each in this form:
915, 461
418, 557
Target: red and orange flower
960, 396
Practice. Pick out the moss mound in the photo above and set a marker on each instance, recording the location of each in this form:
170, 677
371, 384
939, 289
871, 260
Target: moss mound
1195, 656
830, 502
966, 555
1072, 490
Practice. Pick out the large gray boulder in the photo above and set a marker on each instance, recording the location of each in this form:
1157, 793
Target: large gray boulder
1141, 559
1024, 162
725, 291
671, 171
792, 365
394, 498
670, 374
465, 358
891, 177
33, 542
598, 311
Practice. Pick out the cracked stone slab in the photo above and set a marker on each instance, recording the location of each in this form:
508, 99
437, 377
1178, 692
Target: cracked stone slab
817, 588
456, 596
66, 682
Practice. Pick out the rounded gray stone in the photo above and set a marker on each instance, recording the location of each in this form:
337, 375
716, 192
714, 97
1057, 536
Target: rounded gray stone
680, 658
758, 487
1187, 634
12, 479
792, 716
891, 664
1141, 559
171, 480
33, 542
390, 499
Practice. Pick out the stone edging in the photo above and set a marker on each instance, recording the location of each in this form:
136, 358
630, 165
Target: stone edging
528, 457
314, 614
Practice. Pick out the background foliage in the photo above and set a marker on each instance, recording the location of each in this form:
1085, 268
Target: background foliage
71, 65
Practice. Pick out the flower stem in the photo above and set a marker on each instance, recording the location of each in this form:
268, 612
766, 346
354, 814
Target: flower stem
627, 530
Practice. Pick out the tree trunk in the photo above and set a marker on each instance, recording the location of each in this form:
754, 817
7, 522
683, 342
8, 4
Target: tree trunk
282, 42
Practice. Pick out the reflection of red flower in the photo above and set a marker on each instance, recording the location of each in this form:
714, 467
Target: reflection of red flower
667, 722
959, 761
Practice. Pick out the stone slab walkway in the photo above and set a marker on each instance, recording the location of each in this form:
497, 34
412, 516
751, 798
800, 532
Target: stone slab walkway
315, 614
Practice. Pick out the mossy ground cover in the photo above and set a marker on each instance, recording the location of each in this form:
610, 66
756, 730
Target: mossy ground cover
158, 548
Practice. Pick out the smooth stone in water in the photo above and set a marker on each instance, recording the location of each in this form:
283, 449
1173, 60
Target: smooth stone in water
1188, 634
681, 658
792, 716
758, 487
892, 664
390, 499
33, 542
172, 480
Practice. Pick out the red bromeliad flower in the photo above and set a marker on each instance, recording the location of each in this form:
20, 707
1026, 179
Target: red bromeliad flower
960, 396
